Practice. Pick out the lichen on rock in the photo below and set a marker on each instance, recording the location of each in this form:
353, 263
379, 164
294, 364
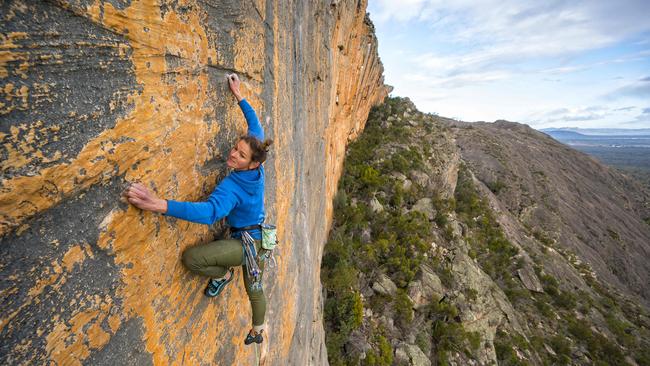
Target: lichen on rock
96, 94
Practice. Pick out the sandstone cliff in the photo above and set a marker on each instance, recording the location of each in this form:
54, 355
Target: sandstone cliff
96, 94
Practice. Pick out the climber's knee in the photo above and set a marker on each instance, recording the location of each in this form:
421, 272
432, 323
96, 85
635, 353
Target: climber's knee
191, 259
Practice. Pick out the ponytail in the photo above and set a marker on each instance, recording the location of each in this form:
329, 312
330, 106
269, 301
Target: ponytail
259, 148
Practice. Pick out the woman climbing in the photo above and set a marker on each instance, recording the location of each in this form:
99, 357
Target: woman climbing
240, 198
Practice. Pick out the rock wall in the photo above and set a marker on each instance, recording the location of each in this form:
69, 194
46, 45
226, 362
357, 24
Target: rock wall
97, 94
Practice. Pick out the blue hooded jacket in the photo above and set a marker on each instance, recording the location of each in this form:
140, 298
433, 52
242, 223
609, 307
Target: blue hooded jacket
239, 197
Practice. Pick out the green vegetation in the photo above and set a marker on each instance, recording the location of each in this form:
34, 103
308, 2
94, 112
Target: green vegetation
543, 237
394, 241
496, 186
403, 309
396, 246
505, 345
489, 246
448, 333
384, 356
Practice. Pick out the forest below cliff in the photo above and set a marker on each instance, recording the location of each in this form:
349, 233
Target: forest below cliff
460, 244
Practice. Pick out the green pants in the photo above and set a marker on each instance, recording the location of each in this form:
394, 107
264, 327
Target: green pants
214, 259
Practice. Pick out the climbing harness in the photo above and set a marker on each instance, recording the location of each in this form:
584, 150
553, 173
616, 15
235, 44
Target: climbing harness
269, 241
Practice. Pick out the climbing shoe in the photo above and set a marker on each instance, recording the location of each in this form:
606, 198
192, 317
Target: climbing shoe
215, 287
257, 338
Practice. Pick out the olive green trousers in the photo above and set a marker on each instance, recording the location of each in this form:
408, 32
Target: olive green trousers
213, 260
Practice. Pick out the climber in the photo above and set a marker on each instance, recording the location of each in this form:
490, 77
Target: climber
240, 198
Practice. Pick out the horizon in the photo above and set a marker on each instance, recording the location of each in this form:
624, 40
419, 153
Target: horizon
544, 65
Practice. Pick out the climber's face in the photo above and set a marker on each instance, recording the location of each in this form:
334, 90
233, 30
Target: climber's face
240, 157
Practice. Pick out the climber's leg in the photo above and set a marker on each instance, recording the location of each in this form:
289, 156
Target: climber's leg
256, 295
213, 259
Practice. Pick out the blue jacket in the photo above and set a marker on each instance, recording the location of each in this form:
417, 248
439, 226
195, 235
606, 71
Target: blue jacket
239, 197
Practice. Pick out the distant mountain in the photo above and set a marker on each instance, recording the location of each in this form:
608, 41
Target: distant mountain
563, 135
600, 131
621, 148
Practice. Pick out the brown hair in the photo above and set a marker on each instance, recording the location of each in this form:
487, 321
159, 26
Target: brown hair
259, 148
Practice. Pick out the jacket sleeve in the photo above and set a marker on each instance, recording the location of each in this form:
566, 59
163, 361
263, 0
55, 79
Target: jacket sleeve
218, 205
254, 126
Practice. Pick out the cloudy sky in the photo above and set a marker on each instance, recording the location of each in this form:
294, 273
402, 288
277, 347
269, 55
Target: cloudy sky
544, 63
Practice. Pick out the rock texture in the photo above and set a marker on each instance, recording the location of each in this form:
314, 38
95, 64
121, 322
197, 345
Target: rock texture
97, 94
565, 199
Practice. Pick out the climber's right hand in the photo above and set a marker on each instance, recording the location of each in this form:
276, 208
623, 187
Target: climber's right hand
139, 196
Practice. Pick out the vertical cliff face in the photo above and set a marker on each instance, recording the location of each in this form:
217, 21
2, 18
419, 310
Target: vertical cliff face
96, 94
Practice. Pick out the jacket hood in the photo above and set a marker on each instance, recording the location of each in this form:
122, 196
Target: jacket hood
251, 181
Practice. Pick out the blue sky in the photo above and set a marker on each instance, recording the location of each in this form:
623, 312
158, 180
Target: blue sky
543, 63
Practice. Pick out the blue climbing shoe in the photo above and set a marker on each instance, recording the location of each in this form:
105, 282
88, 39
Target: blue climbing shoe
215, 287
257, 338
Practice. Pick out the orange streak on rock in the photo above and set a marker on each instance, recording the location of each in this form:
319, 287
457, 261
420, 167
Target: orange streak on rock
72, 341
74, 255
163, 142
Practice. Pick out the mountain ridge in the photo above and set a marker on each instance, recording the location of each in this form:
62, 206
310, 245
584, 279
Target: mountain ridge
600, 131
483, 243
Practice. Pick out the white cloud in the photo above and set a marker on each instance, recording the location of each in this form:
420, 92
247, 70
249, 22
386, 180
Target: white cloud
491, 59
455, 81
638, 89
498, 32
592, 116
403, 10
574, 114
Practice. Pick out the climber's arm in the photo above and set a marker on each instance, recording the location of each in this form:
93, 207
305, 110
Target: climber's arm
218, 205
254, 126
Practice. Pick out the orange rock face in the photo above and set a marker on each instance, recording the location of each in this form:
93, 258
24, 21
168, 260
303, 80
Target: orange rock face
97, 94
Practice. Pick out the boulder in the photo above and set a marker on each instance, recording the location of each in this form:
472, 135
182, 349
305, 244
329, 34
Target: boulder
357, 344
375, 206
426, 287
385, 286
399, 176
425, 205
401, 358
416, 294
388, 323
431, 284
412, 355
420, 178
529, 279
456, 228
366, 236
367, 292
